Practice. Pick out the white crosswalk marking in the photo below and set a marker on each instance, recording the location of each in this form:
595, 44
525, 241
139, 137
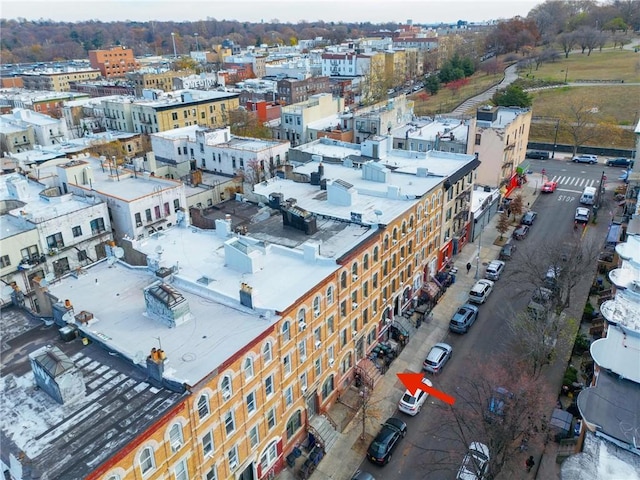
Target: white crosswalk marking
574, 181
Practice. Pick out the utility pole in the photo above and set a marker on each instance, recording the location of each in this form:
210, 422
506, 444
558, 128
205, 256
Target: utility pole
555, 139
173, 39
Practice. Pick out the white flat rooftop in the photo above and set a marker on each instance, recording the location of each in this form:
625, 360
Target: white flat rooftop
219, 325
619, 352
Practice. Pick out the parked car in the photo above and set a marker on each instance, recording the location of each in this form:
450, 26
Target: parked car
438, 356
552, 275
549, 187
507, 251
464, 317
582, 215
521, 232
382, 446
480, 291
529, 217
538, 154
620, 162
410, 403
591, 159
361, 475
497, 404
475, 464
494, 270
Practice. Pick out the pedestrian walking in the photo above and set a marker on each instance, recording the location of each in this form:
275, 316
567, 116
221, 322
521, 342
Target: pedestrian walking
468, 267
530, 463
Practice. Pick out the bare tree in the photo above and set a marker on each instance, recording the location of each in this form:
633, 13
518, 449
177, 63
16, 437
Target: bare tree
497, 404
587, 38
579, 119
567, 41
516, 206
503, 224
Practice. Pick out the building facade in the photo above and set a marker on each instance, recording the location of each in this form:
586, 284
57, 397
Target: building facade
114, 62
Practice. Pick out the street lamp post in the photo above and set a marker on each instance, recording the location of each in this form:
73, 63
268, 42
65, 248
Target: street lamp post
197, 44
555, 139
173, 40
477, 275
566, 73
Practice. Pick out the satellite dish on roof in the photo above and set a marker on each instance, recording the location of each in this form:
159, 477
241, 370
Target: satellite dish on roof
118, 252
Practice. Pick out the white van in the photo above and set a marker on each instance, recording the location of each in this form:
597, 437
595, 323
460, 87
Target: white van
588, 196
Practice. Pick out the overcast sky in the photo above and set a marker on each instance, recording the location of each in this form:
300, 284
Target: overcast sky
375, 11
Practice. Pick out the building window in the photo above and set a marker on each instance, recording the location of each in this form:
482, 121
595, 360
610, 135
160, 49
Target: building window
207, 444
271, 418
248, 368
293, 424
212, 474
286, 362
97, 226
267, 354
175, 436
147, 461
147, 213
77, 231
375, 254
5, 261
225, 387
251, 402
327, 387
288, 396
229, 422
330, 295
55, 241
233, 457
268, 385
269, 457
181, 472
203, 406
302, 350
343, 280
330, 326
317, 365
286, 331
365, 262
478, 137
254, 437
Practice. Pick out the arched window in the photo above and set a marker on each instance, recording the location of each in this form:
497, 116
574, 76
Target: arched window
354, 270
393, 261
286, 331
269, 456
375, 254
330, 295
267, 353
327, 387
225, 387
385, 268
385, 243
365, 262
147, 461
302, 315
203, 406
411, 222
346, 363
419, 213
404, 228
113, 476
395, 234
343, 280
293, 424
316, 306
175, 436
248, 368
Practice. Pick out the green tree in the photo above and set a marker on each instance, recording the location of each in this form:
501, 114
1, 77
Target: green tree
432, 84
512, 96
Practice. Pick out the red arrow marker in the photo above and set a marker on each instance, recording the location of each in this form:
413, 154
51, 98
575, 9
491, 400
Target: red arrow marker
413, 382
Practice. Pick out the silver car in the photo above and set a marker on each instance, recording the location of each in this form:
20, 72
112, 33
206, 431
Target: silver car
494, 270
438, 356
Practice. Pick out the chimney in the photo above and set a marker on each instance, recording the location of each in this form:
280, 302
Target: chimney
311, 252
155, 366
166, 304
246, 295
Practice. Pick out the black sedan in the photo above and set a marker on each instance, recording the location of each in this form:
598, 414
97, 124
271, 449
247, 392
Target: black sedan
521, 232
382, 446
529, 217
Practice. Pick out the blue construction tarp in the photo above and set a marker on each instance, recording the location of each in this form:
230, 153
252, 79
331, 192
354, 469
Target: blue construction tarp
613, 237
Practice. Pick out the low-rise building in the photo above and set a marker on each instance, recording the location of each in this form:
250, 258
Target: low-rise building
57, 80
296, 118
46, 130
443, 134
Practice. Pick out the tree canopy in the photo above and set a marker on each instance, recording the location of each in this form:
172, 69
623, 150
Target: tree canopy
512, 96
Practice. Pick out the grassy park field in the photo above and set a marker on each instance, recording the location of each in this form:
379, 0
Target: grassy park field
617, 104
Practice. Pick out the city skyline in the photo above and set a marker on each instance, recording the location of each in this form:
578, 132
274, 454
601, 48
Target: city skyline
255, 11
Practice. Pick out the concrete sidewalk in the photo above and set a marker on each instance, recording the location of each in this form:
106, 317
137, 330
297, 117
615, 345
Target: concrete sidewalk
349, 451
